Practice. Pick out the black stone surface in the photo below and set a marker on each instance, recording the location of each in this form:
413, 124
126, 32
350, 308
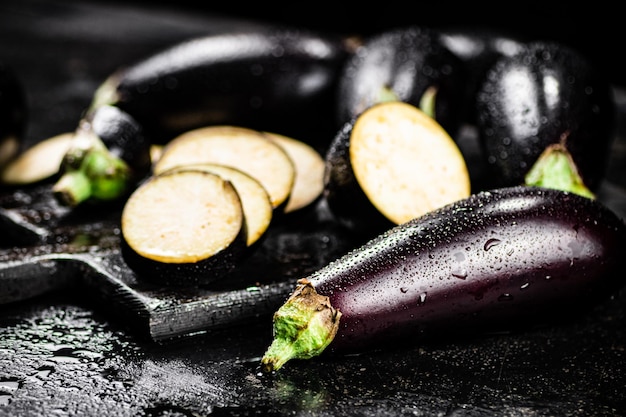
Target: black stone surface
72, 352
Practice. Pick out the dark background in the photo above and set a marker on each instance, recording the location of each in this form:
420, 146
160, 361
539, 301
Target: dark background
595, 31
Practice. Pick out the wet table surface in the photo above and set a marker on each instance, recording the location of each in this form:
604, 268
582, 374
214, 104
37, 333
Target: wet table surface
65, 352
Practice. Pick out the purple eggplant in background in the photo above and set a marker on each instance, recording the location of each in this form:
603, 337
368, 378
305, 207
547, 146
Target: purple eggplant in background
499, 259
545, 94
408, 64
478, 49
274, 79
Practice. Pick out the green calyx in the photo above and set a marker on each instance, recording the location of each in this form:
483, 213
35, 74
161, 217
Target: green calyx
426, 104
303, 327
556, 169
427, 101
106, 94
91, 172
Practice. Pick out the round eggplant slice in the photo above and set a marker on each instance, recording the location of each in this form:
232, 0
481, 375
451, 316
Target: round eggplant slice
391, 164
256, 203
39, 162
242, 148
309, 181
183, 228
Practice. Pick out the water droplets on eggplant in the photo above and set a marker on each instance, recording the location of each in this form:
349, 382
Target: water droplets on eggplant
505, 297
491, 243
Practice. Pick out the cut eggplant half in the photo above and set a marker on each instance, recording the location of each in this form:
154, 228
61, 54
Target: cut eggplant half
242, 148
256, 203
183, 228
309, 181
391, 164
39, 162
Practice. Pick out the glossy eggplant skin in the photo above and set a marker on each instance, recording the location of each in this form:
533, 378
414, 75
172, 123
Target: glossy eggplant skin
13, 113
342, 192
408, 61
499, 259
535, 98
123, 136
478, 49
272, 79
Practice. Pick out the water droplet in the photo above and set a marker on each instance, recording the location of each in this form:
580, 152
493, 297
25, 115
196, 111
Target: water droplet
460, 273
505, 297
42, 372
9, 385
422, 299
404, 290
491, 243
526, 285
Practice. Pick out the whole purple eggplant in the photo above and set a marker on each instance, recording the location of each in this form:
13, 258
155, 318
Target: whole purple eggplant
547, 93
409, 64
498, 259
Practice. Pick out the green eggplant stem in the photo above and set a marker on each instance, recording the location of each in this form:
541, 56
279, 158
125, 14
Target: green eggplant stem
302, 327
427, 101
106, 94
90, 171
555, 168
387, 94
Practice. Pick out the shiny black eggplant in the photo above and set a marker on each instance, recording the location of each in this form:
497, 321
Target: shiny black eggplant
479, 49
543, 95
501, 260
108, 155
409, 64
13, 113
272, 79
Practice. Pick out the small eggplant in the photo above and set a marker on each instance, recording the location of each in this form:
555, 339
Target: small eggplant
500, 259
108, 154
408, 64
272, 79
13, 113
390, 164
545, 94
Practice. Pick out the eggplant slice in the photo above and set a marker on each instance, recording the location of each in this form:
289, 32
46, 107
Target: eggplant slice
242, 148
309, 163
406, 163
183, 228
256, 203
38, 162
